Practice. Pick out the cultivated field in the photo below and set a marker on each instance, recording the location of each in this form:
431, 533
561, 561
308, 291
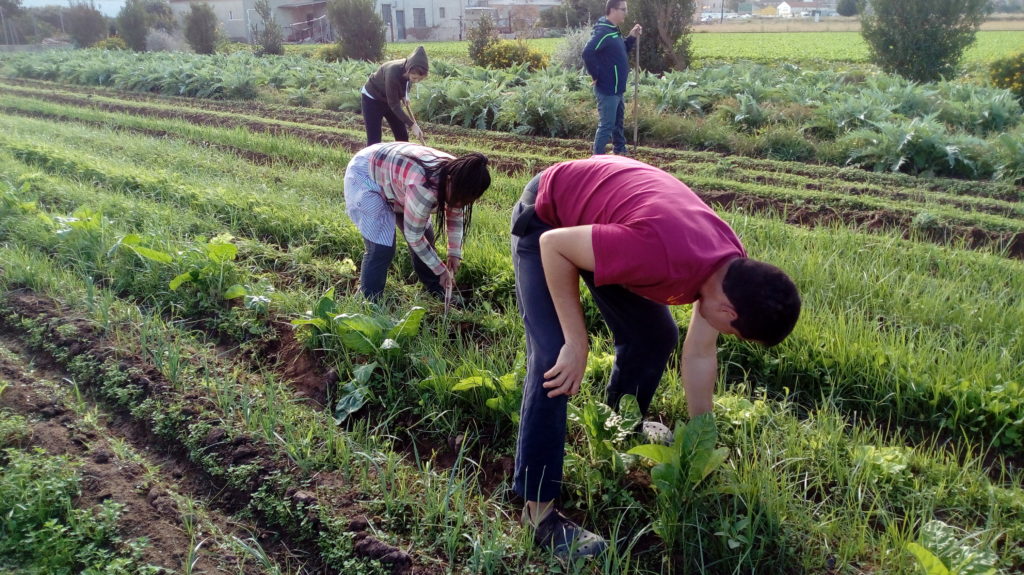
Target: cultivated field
180, 334
755, 41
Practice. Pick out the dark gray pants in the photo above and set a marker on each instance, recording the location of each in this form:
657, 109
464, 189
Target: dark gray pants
645, 337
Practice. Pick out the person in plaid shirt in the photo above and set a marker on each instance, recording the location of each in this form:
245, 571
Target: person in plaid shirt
402, 184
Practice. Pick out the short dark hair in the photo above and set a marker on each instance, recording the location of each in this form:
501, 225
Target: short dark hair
611, 5
766, 300
418, 70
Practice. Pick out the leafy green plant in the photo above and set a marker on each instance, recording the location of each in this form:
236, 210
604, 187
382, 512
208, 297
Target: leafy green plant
14, 429
480, 36
679, 469
210, 271
133, 244
1008, 73
744, 111
508, 53
942, 552
82, 236
506, 391
922, 40
375, 336
354, 394
920, 146
537, 109
1010, 157
605, 430
43, 532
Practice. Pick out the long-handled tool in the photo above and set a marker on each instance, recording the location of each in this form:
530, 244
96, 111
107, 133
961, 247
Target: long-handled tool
448, 296
636, 102
408, 110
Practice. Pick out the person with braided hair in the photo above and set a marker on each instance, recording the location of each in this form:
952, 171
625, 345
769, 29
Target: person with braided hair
399, 184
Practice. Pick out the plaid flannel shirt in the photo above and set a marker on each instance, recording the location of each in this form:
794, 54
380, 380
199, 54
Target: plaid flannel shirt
404, 185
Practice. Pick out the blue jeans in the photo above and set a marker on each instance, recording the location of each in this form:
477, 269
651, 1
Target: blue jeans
611, 110
374, 112
377, 259
645, 336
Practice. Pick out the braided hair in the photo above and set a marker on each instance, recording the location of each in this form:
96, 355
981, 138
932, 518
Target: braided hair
467, 177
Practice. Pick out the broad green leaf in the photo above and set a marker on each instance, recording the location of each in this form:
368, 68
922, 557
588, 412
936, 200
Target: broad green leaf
932, 565
510, 381
409, 325
235, 291
152, 255
359, 332
353, 397
629, 411
221, 253
700, 435
704, 462
325, 305
371, 327
470, 383
666, 477
657, 453
316, 322
363, 372
183, 278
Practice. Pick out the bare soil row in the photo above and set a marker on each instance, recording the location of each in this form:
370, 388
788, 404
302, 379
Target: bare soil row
68, 348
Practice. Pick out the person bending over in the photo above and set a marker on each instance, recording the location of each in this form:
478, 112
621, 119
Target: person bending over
402, 184
642, 241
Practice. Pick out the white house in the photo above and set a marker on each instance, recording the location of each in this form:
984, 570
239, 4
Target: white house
300, 20
801, 9
405, 20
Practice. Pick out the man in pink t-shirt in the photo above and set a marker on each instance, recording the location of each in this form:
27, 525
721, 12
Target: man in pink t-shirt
641, 240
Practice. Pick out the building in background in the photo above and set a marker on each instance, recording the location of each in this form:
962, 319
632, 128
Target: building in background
300, 20
109, 8
404, 20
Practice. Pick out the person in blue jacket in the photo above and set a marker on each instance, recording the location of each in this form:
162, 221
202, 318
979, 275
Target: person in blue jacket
607, 61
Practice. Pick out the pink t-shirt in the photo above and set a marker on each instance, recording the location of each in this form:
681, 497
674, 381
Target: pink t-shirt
651, 233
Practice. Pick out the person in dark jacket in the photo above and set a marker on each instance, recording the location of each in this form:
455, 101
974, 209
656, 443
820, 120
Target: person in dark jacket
607, 61
386, 91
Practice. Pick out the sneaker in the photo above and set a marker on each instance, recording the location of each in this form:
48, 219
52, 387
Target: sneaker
654, 432
565, 538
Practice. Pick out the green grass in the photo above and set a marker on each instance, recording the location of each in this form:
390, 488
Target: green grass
773, 47
879, 415
832, 47
43, 531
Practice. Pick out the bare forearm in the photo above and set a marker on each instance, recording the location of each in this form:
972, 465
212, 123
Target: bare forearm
563, 282
699, 374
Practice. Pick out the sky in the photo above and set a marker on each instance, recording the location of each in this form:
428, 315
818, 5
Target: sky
106, 7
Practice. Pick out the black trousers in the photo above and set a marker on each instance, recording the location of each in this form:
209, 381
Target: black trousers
374, 112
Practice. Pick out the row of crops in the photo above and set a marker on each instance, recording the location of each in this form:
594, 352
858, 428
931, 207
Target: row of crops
857, 117
892, 418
